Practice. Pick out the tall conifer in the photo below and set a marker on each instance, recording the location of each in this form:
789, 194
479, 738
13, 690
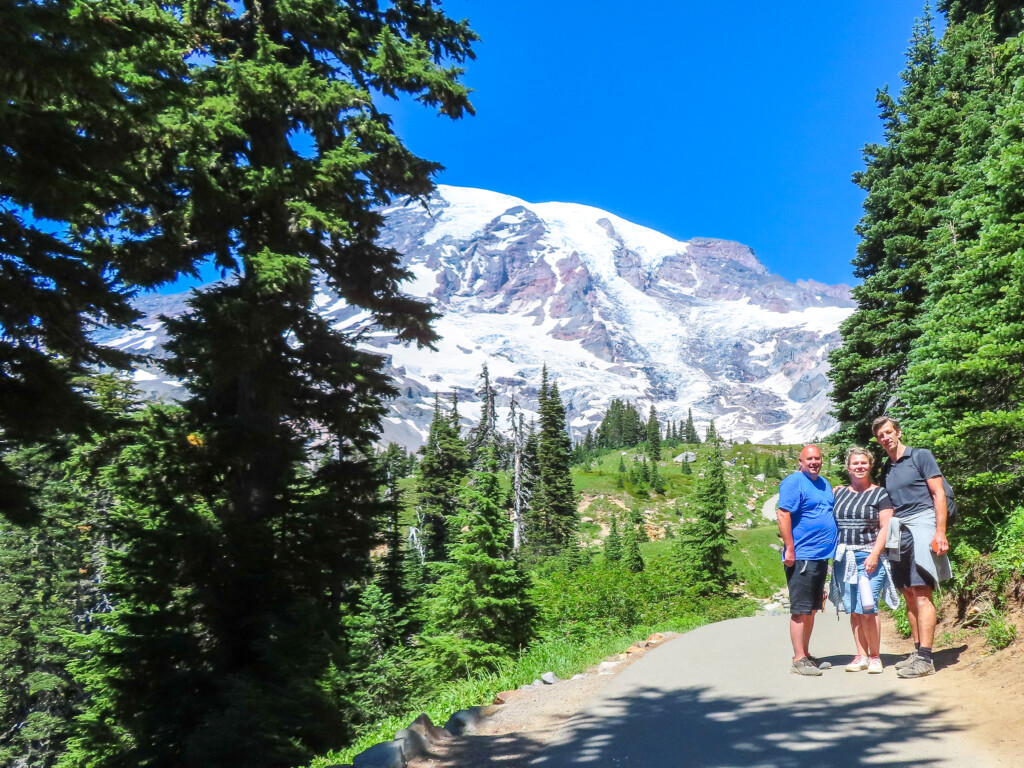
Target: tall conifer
701, 544
256, 510
690, 431
553, 506
85, 88
439, 478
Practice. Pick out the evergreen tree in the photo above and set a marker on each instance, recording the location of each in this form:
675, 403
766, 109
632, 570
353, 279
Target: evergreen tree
49, 588
486, 430
701, 544
613, 543
632, 560
690, 431
637, 519
235, 549
905, 180
657, 482
712, 435
962, 393
621, 426
479, 610
378, 676
84, 188
393, 572
439, 479
553, 506
653, 436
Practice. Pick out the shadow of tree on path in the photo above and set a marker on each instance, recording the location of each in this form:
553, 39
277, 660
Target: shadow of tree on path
692, 727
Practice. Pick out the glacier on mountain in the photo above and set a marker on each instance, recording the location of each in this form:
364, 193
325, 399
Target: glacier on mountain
614, 309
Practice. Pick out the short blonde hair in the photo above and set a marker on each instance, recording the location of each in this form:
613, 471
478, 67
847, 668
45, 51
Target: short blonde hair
856, 450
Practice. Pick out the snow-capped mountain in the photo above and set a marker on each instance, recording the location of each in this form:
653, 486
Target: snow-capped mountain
614, 309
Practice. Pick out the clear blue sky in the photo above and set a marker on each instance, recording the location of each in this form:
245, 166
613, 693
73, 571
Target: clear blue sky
740, 120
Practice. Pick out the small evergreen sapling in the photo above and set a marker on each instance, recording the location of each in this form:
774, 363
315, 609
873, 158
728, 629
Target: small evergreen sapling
479, 610
613, 543
632, 560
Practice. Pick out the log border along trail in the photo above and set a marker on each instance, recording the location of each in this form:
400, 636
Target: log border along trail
722, 695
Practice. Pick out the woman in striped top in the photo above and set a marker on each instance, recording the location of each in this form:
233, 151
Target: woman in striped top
863, 511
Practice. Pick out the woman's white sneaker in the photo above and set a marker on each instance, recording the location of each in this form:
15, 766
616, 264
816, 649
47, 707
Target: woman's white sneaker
859, 664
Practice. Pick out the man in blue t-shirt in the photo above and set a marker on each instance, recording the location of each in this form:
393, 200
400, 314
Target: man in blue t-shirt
809, 534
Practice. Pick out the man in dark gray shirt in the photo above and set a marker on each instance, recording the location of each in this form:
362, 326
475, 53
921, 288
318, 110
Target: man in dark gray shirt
914, 482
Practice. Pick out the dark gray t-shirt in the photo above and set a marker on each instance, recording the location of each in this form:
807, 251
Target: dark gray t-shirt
906, 482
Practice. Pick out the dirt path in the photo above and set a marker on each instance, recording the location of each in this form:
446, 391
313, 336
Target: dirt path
722, 696
768, 509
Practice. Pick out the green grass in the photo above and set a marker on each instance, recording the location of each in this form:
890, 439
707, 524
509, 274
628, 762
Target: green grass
758, 566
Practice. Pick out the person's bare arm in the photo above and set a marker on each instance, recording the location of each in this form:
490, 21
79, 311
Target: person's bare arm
786, 531
940, 545
884, 518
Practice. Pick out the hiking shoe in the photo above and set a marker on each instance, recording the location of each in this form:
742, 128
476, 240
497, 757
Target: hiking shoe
919, 668
819, 663
875, 666
907, 661
859, 664
804, 666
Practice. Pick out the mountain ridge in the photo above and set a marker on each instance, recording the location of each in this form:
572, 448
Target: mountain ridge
613, 308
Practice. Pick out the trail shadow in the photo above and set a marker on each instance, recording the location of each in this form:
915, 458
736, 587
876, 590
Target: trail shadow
693, 727
947, 657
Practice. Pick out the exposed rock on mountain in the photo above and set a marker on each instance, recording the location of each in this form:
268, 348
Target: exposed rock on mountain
613, 309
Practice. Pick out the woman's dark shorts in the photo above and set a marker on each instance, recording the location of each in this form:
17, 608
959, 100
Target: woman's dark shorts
905, 572
806, 580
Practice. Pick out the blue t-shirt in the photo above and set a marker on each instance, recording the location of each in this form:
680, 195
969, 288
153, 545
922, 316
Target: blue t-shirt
809, 504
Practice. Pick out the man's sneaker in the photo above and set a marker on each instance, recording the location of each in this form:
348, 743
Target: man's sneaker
875, 666
804, 666
819, 663
907, 661
859, 664
919, 668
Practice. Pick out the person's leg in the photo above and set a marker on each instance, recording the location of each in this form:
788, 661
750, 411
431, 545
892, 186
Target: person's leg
857, 624
800, 627
819, 570
910, 597
869, 628
926, 617
921, 664
808, 628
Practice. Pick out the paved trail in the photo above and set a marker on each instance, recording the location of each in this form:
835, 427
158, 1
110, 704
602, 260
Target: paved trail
722, 695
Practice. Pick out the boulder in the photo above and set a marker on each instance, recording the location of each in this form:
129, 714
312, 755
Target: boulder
607, 667
549, 678
387, 754
426, 728
465, 720
414, 744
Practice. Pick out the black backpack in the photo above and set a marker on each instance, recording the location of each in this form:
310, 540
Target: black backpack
951, 508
